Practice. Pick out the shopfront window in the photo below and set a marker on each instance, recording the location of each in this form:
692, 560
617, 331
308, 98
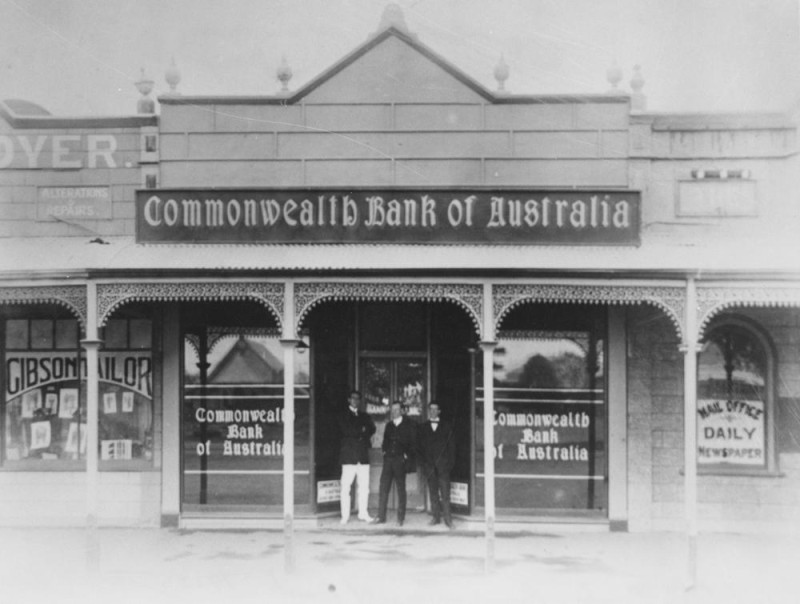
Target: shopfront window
733, 400
45, 408
45, 394
126, 393
233, 419
550, 417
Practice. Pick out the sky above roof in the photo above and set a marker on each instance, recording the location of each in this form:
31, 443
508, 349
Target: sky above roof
82, 57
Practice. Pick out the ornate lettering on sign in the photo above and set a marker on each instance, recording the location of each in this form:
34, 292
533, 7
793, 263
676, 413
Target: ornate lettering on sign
408, 216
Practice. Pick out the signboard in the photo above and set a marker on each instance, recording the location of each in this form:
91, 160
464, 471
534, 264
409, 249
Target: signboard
73, 203
328, 491
459, 493
730, 432
389, 216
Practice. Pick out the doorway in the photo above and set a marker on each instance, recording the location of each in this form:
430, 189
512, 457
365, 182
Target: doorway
386, 379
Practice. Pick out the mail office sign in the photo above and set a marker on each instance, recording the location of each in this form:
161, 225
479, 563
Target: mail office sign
389, 216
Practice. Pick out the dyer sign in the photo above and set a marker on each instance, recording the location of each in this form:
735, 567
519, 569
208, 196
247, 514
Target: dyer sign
397, 216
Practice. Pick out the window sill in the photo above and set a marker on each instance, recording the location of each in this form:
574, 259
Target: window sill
78, 466
733, 473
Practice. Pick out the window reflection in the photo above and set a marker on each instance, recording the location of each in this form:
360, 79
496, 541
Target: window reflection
549, 420
732, 399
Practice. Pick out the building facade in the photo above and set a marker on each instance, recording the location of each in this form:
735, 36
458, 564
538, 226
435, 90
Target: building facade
604, 302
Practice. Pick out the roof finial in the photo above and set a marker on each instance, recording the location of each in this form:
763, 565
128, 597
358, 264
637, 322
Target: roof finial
614, 77
284, 74
173, 77
145, 86
501, 72
638, 99
393, 17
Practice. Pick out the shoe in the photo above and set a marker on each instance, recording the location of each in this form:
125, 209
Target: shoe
366, 519
449, 523
344, 521
377, 521
400, 523
434, 522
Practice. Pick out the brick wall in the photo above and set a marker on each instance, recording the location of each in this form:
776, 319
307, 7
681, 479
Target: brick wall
655, 430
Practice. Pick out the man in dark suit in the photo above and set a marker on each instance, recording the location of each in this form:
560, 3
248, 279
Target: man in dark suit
438, 454
398, 453
356, 428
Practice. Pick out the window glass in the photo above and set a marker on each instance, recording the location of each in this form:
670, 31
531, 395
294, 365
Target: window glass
41, 334
732, 399
44, 407
126, 395
45, 396
232, 418
116, 334
17, 334
66, 334
141, 333
550, 420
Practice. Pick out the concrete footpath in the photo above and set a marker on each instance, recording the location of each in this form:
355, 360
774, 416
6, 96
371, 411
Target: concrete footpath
373, 564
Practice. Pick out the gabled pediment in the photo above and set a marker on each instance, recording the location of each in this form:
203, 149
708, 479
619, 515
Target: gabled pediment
392, 67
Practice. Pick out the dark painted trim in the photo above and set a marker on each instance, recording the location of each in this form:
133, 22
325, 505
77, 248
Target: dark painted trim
44, 122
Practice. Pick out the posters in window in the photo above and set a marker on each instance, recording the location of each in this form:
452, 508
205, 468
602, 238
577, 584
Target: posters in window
730, 432
72, 438
51, 403
67, 403
31, 401
40, 435
109, 402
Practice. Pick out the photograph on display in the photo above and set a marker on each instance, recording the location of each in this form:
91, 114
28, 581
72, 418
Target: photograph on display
40, 435
31, 401
127, 402
72, 438
68, 403
110, 402
51, 402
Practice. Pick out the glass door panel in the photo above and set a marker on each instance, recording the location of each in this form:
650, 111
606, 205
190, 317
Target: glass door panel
385, 380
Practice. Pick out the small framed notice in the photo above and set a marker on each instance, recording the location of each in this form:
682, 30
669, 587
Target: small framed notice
328, 490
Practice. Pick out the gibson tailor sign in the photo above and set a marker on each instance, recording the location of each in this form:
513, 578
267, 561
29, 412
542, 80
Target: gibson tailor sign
396, 216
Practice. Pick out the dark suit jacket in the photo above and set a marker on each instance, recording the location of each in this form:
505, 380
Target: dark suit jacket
437, 449
399, 440
356, 431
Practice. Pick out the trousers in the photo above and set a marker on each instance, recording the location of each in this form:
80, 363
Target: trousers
359, 473
393, 471
439, 488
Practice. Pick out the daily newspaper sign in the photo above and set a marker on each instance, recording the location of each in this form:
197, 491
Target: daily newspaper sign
388, 216
730, 432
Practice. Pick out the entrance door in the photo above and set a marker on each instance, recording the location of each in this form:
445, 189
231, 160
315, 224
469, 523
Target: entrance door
384, 380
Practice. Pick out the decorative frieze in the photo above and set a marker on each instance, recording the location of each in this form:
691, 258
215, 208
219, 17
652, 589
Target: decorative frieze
712, 300
72, 297
671, 300
113, 295
468, 296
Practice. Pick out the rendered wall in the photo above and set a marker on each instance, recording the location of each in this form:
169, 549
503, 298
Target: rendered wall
655, 433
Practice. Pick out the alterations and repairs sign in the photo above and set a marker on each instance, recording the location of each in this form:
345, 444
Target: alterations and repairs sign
73, 203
